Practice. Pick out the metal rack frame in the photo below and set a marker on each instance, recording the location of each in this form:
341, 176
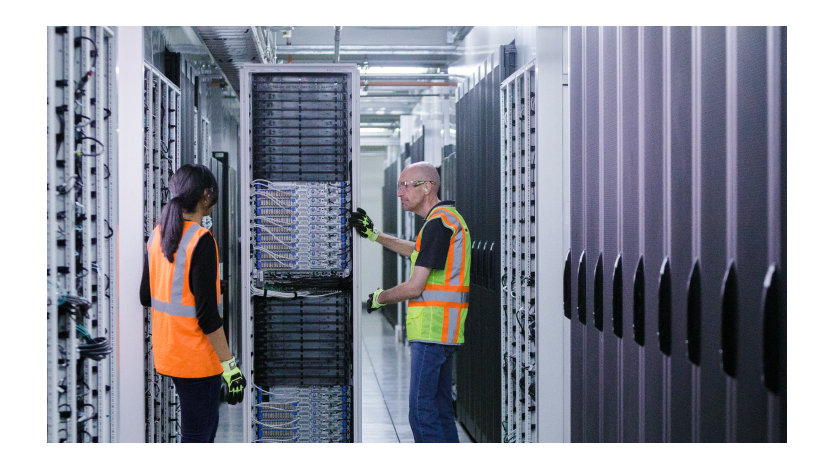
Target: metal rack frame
518, 232
161, 159
83, 96
247, 343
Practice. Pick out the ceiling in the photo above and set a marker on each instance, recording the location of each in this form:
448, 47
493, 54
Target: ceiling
386, 93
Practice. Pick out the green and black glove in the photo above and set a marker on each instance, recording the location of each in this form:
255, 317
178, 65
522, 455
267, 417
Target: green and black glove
373, 301
363, 224
234, 381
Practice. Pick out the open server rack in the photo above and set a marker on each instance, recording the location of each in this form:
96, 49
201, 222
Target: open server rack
82, 383
300, 332
518, 256
162, 146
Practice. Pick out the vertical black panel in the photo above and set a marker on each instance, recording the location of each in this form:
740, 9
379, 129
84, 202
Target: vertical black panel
653, 219
713, 227
610, 390
390, 206
752, 227
577, 228
479, 361
631, 248
782, 413
681, 226
592, 221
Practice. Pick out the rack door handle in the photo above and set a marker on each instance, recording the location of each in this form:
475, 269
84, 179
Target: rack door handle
580, 290
729, 322
639, 293
491, 275
693, 315
617, 298
598, 294
566, 285
774, 327
664, 308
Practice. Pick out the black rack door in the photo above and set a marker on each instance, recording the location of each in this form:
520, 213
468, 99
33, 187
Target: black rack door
676, 289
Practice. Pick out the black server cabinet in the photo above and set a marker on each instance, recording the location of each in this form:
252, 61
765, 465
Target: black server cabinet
390, 207
677, 262
477, 186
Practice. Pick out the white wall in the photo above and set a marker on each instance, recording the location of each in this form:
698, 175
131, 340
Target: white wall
130, 71
371, 175
552, 108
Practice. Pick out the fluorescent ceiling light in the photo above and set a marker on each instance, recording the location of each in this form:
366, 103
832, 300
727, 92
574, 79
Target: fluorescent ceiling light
395, 70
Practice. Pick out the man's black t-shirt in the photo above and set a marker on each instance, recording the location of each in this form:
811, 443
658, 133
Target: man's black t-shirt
434, 243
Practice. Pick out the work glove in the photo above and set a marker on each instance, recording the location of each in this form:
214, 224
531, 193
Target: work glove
234, 381
373, 301
363, 224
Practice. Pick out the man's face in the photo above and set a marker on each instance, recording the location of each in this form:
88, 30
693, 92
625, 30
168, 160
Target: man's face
410, 196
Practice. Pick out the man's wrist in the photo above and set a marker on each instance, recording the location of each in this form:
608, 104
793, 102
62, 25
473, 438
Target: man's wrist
373, 235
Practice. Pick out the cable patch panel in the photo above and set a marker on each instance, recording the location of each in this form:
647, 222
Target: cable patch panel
303, 414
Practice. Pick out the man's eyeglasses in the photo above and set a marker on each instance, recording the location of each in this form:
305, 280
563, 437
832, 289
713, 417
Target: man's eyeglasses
411, 184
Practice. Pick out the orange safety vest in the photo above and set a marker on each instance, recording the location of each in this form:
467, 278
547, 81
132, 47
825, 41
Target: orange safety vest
438, 314
180, 348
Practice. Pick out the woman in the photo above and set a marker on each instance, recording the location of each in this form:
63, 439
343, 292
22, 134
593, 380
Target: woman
181, 284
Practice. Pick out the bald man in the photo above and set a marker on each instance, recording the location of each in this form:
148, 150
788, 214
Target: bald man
437, 292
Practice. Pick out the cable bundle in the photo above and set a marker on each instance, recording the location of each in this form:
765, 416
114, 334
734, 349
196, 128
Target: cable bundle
93, 348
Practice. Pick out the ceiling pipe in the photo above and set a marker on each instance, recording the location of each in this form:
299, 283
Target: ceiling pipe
336, 40
418, 76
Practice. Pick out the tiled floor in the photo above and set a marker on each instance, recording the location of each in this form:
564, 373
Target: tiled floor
385, 379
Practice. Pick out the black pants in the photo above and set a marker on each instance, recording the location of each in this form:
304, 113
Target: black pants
199, 407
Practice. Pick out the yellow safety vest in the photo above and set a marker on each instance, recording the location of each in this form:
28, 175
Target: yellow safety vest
439, 313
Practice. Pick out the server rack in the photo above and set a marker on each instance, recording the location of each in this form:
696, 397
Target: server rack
675, 279
300, 329
390, 260
478, 363
163, 143
82, 384
518, 255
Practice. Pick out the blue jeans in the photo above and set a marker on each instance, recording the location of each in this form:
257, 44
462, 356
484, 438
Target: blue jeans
430, 410
199, 407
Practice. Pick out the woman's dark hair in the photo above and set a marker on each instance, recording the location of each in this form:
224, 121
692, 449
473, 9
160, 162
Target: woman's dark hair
186, 188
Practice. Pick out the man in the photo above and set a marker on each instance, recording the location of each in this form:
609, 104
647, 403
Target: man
438, 297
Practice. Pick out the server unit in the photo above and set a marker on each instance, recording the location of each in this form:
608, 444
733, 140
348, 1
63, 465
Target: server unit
675, 279
300, 328
518, 256
81, 249
163, 143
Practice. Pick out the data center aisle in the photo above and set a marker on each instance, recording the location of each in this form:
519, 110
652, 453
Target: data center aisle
386, 365
386, 369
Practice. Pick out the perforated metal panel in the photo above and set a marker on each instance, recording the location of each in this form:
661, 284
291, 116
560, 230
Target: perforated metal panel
81, 280
518, 255
163, 144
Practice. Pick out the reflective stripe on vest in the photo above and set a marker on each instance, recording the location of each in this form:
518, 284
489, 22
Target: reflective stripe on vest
175, 306
438, 314
180, 348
